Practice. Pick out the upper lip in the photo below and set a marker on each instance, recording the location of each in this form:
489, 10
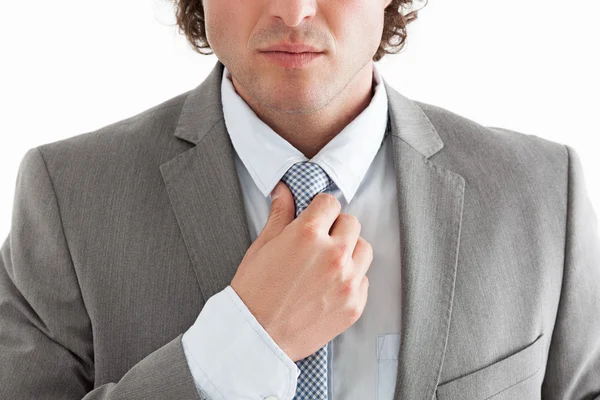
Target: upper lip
292, 48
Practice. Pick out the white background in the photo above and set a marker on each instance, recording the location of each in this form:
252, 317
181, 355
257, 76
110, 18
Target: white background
70, 67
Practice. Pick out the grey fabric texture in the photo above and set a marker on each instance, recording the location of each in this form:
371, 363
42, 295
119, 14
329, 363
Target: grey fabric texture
119, 236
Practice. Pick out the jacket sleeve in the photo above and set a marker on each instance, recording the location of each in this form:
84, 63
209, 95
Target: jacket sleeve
46, 348
573, 367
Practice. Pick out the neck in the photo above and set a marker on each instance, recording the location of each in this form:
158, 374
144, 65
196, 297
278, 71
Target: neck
309, 133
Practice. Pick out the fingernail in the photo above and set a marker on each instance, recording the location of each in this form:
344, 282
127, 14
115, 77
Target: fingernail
276, 192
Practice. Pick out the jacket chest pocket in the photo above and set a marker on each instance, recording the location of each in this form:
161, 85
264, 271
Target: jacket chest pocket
509, 378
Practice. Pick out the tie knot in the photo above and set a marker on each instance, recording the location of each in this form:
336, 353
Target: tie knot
305, 180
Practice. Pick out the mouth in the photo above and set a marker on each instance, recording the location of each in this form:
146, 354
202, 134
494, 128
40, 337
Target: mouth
292, 60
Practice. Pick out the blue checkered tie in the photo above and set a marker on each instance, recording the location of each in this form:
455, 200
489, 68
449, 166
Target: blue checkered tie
305, 180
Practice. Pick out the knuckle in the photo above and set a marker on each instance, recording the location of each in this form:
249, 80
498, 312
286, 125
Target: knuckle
342, 248
344, 217
350, 219
331, 200
338, 256
366, 246
309, 231
336, 264
369, 249
277, 206
357, 223
354, 313
353, 219
277, 212
348, 288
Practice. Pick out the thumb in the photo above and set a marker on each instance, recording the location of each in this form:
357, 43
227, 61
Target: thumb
283, 212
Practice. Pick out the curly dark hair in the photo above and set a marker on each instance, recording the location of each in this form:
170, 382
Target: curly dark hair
190, 20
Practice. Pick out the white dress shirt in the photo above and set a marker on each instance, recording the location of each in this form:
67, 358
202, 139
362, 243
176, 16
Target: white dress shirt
229, 353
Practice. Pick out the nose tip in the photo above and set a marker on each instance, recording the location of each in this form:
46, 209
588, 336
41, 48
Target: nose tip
294, 12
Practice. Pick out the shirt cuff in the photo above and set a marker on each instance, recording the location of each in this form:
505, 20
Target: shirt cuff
231, 356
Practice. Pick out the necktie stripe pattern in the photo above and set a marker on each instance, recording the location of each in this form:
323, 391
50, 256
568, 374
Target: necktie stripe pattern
305, 180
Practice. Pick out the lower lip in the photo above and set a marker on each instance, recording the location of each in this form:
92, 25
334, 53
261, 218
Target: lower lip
291, 60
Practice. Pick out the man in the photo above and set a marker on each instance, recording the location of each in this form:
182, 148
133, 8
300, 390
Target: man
408, 252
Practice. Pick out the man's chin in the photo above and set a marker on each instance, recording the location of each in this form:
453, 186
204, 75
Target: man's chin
294, 107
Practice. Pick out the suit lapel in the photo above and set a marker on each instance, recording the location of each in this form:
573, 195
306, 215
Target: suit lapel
206, 197
204, 189
430, 203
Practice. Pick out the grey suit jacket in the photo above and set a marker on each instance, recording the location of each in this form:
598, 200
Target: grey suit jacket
119, 236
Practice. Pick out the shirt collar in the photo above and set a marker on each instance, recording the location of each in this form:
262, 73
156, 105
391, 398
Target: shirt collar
267, 156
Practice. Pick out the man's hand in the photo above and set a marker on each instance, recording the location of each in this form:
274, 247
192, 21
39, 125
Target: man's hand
304, 279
